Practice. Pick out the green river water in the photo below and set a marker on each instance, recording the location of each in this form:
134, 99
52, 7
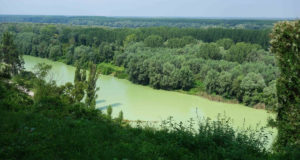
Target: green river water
144, 103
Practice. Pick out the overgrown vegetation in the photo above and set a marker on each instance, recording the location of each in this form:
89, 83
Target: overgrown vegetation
286, 44
75, 132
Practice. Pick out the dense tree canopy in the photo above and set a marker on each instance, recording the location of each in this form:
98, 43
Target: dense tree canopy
213, 60
286, 45
153, 41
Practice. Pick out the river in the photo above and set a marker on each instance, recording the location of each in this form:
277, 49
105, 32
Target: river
147, 104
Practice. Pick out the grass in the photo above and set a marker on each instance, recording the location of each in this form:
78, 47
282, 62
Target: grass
35, 136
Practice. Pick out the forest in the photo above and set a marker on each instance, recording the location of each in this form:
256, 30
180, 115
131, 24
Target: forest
135, 22
55, 123
232, 63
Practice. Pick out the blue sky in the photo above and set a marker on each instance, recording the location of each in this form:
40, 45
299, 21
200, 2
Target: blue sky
156, 8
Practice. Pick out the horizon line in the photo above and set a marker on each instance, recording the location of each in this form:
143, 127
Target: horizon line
182, 17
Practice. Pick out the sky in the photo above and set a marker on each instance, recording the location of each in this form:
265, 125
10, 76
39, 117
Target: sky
155, 8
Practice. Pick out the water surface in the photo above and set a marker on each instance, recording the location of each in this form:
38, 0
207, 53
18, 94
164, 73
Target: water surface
144, 103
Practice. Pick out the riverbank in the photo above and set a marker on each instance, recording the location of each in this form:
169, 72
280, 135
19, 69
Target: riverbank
143, 103
197, 90
140, 102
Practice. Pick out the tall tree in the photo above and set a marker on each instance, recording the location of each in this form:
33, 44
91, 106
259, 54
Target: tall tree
91, 86
79, 83
9, 54
285, 44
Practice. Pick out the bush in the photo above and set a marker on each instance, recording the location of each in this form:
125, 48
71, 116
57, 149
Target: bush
107, 69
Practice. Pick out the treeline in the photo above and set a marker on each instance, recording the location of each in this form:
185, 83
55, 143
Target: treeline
166, 58
94, 36
135, 22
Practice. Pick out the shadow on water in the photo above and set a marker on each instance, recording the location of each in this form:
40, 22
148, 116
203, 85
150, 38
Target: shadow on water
112, 105
100, 101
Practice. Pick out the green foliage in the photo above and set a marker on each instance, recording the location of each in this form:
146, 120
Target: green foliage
211, 81
40, 127
62, 128
36, 136
106, 52
180, 42
26, 79
286, 45
79, 84
270, 95
120, 117
251, 85
69, 51
160, 68
41, 70
153, 41
225, 84
84, 54
55, 128
55, 52
162, 57
186, 80
12, 98
91, 88
209, 51
9, 55
109, 111
130, 39
240, 51
48, 30
41, 49
175, 43
25, 42
236, 88
226, 43
108, 68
